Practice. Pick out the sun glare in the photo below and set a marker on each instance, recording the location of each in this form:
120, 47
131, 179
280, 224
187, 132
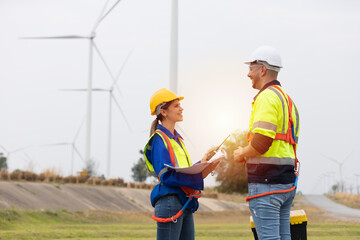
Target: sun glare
225, 123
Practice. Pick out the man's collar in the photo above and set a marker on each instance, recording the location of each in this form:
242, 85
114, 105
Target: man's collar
168, 133
273, 82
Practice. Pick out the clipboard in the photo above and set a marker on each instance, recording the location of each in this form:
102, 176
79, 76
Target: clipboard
198, 168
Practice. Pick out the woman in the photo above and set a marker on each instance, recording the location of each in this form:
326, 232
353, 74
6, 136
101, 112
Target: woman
165, 146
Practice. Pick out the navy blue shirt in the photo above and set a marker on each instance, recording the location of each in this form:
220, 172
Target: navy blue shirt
171, 181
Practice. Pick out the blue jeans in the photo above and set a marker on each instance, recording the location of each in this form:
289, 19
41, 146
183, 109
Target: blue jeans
271, 213
168, 206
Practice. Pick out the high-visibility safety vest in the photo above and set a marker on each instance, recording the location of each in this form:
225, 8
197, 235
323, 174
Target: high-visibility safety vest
180, 154
179, 158
276, 116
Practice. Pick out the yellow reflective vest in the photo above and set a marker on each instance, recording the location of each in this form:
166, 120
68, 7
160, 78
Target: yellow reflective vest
269, 117
181, 155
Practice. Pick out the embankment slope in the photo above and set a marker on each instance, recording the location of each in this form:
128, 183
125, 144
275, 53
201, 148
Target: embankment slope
41, 196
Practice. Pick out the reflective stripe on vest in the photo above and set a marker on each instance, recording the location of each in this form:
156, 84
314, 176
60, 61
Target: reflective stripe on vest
266, 125
271, 160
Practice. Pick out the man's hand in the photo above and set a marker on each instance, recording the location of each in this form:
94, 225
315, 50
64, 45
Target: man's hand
239, 155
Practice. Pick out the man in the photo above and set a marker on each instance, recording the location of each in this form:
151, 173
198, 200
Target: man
271, 154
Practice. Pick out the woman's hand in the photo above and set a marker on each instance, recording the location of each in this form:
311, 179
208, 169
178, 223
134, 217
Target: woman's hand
208, 155
209, 169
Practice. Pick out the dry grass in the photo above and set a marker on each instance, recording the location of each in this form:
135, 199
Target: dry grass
211, 192
53, 176
348, 199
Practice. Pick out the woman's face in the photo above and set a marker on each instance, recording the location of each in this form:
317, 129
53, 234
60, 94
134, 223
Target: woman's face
174, 112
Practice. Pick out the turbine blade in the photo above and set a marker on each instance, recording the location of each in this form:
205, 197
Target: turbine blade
6, 151
120, 71
55, 144
103, 60
78, 131
109, 10
84, 89
348, 156
100, 17
331, 159
117, 87
121, 111
58, 37
20, 149
123, 65
28, 157
77, 152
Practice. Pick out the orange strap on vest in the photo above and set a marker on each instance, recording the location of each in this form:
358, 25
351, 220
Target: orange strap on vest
287, 137
190, 193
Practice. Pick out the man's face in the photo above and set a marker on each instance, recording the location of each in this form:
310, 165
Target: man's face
254, 74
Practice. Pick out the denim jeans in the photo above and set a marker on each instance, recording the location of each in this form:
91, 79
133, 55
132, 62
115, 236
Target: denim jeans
271, 213
168, 206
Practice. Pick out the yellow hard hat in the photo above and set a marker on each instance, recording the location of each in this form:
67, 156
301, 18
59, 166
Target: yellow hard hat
162, 96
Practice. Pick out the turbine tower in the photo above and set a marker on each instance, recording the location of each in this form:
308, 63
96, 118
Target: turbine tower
174, 47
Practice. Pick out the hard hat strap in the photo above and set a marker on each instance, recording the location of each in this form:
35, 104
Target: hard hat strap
158, 107
268, 66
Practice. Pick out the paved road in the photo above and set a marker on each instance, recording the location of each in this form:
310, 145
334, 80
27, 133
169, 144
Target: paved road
332, 207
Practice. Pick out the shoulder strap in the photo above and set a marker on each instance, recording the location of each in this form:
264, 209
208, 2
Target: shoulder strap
290, 135
169, 146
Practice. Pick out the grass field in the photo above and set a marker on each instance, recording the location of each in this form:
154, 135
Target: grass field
16, 224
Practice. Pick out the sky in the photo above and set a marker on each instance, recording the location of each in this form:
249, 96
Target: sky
318, 42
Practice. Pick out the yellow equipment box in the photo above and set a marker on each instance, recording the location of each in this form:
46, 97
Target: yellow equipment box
298, 222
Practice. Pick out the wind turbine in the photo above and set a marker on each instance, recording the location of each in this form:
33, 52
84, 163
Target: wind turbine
9, 153
111, 98
89, 37
340, 164
73, 147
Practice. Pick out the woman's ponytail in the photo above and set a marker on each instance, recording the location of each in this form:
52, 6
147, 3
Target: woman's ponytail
158, 118
154, 125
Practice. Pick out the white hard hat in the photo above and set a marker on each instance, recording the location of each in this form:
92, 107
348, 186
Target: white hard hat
268, 55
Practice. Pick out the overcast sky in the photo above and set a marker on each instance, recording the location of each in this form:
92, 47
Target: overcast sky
318, 41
